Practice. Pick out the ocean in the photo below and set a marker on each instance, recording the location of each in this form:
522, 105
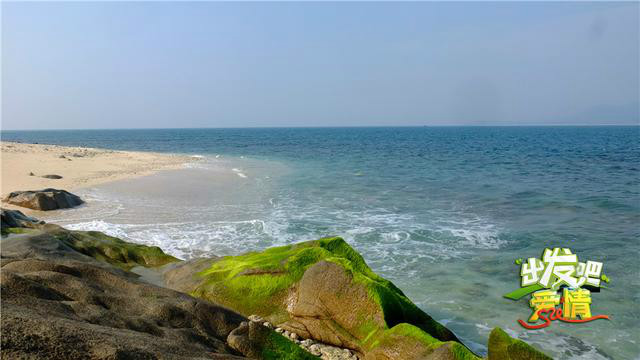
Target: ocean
443, 212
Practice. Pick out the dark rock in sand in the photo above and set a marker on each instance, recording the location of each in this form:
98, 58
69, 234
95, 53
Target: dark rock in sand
47, 199
59, 303
52, 176
32, 174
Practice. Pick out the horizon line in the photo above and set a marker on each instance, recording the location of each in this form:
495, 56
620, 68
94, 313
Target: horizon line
332, 127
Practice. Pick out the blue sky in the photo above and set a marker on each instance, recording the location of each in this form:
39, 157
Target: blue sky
213, 64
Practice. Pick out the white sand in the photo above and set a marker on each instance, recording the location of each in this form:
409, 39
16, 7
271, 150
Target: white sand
80, 167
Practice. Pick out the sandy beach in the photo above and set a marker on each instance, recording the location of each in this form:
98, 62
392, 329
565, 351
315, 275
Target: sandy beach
24, 165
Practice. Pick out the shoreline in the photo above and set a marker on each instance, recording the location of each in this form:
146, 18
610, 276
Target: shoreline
23, 166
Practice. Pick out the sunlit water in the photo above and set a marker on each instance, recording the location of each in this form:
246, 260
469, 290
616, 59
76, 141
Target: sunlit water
442, 212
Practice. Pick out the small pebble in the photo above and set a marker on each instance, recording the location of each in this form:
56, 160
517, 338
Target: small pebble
307, 342
279, 330
315, 350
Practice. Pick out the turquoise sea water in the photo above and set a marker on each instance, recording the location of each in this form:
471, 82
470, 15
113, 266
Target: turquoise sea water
441, 211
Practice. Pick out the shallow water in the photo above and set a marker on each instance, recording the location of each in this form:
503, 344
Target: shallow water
442, 212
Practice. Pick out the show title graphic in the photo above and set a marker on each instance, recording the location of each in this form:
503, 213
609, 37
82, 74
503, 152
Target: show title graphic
560, 288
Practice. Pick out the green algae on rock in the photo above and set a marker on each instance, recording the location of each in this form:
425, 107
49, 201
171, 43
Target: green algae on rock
256, 341
323, 290
112, 250
413, 343
504, 347
15, 222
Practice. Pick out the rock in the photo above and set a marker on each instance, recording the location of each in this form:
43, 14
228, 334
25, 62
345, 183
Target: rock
333, 353
503, 346
65, 300
315, 350
32, 174
307, 342
60, 304
258, 342
267, 324
321, 290
47, 199
62, 157
14, 221
111, 250
415, 344
53, 176
293, 336
256, 318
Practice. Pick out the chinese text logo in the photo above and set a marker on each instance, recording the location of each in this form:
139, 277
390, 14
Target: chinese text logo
560, 286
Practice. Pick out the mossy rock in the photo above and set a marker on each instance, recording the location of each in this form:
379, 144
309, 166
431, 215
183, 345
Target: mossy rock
112, 250
277, 347
504, 347
413, 343
15, 222
19, 230
324, 290
259, 342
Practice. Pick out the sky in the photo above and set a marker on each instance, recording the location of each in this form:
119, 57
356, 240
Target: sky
84, 65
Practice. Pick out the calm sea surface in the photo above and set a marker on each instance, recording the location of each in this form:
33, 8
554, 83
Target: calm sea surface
441, 211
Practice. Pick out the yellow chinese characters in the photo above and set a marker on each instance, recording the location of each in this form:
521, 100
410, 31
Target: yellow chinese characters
576, 303
544, 299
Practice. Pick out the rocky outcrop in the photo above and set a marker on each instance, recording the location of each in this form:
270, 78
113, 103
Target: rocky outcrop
65, 295
321, 290
16, 220
324, 351
109, 249
47, 199
74, 294
504, 347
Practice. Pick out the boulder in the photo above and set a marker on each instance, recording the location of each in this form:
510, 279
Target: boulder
112, 250
47, 199
63, 297
325, 291
15, 221
250, 338
52, 176
504, 347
